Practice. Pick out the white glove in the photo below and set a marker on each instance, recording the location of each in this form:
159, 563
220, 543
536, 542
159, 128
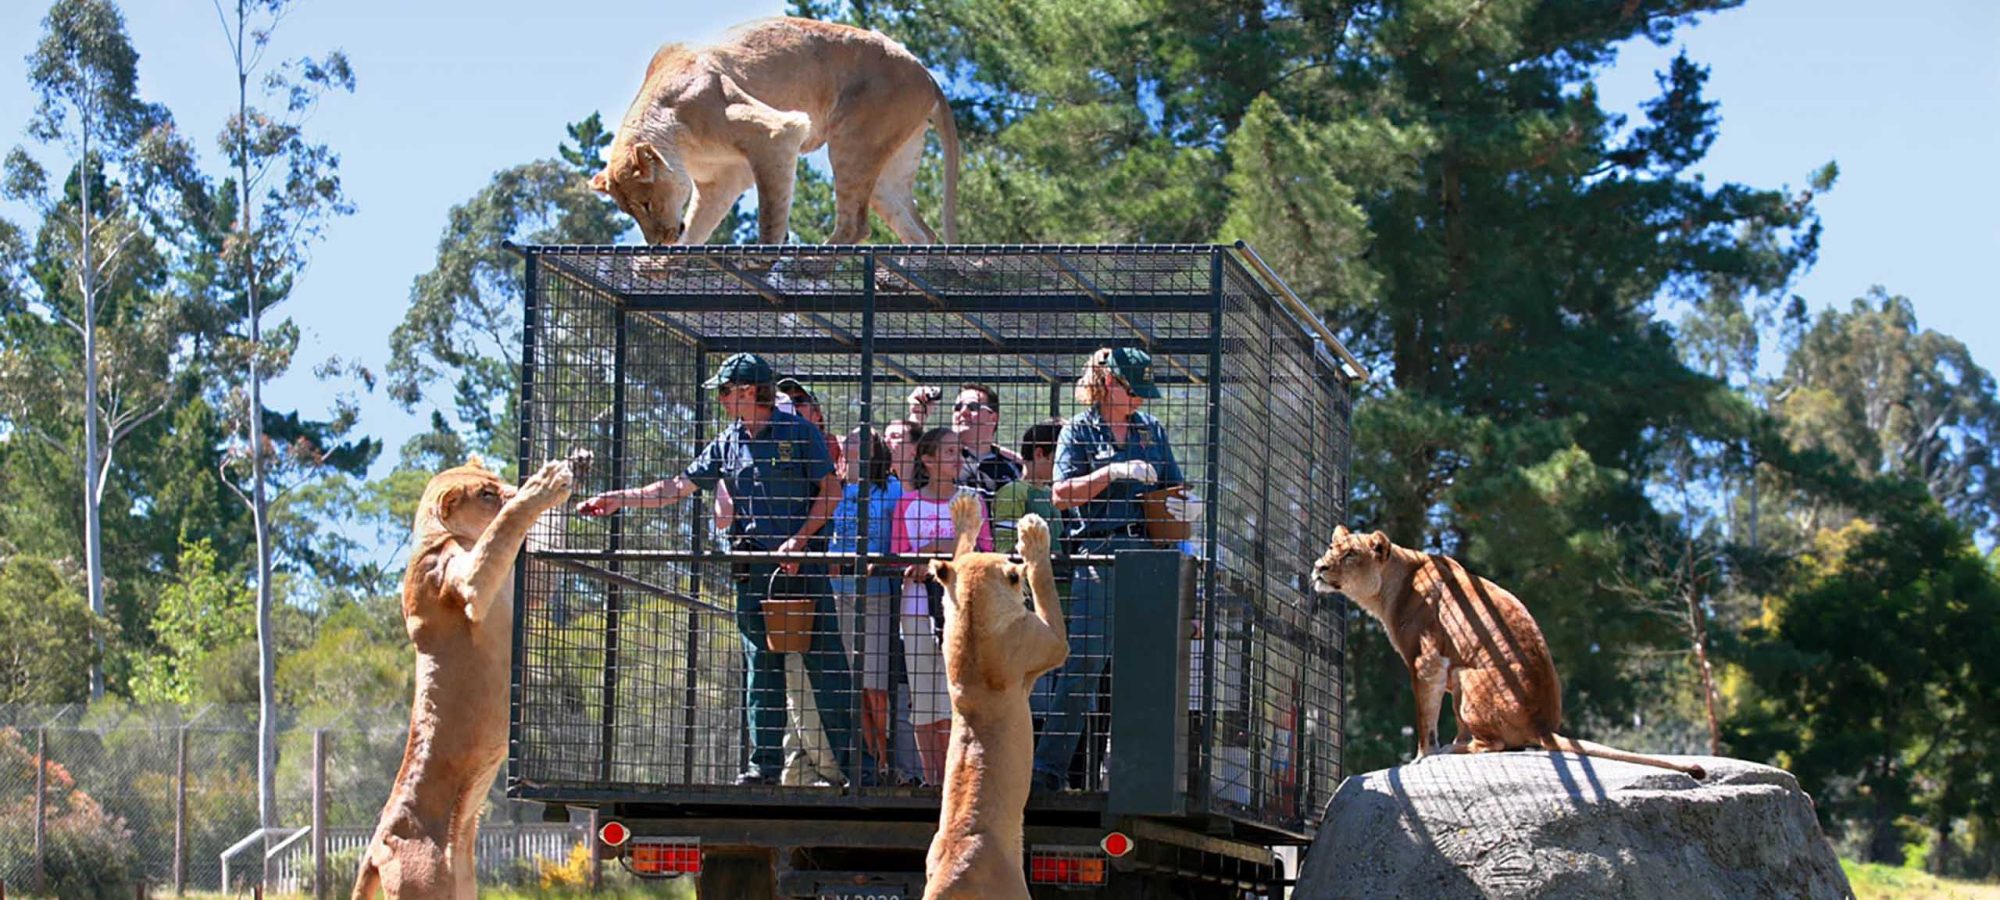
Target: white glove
1132, 470
1185, 507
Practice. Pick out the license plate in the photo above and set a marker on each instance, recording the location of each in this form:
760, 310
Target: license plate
861, 892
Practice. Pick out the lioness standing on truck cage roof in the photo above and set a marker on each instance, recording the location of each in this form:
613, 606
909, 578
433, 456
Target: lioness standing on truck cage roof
710, 122
458, 606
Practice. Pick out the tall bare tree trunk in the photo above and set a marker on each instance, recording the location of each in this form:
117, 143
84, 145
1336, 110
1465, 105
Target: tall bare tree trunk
93, 534
267, 712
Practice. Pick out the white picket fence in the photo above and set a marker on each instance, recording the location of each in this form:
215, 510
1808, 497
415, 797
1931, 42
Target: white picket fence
501, 847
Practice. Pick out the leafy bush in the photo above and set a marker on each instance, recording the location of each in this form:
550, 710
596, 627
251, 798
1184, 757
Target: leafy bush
89, 852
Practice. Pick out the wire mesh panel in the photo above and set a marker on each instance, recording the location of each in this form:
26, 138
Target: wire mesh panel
739, 607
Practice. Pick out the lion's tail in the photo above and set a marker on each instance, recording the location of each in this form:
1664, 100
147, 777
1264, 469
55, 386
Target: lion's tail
948, 136
1555, 742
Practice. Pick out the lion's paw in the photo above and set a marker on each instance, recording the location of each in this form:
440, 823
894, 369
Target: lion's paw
1032, 537
551, 485
965, 513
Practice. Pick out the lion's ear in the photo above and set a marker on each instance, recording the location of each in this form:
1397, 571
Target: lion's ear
601, 182
941, 570
1339, 531
473, 460
644, 157
1378, 543
447, 502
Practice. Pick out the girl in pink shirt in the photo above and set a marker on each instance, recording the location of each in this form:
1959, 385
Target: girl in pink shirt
923, 525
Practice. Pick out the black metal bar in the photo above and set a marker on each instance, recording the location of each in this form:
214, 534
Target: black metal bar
530, 321
614, 594
832, 377
690, 601
1258, 677
863, 552
1120, 306
755, 251
769, 557
1203, 797
919, 346
698, 520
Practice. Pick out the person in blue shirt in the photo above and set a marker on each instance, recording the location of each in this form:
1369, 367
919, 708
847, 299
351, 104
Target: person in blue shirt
1106, 456
867, 602
782, 483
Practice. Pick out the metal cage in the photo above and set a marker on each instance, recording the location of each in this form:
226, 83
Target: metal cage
630, 670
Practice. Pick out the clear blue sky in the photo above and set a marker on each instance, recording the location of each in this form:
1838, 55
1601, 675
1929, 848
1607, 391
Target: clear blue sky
1905, 96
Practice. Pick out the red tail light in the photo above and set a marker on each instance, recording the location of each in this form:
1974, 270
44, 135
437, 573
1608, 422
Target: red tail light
1065, 865
661, 857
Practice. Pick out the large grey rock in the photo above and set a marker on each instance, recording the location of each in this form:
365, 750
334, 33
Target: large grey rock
1535, 824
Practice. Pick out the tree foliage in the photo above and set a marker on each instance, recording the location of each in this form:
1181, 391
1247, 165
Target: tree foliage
1871, 388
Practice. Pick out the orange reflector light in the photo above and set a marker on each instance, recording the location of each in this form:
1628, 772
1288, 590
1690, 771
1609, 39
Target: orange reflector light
1065, 865
1115, 844
664, 856
613, 834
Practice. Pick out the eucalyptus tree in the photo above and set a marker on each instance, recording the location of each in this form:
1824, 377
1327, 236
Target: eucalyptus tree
288, 191
84, 72
1890, 398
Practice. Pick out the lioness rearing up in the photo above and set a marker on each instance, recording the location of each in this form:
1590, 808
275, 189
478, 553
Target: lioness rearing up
994, 649
709, 123
1461, 633
458, 606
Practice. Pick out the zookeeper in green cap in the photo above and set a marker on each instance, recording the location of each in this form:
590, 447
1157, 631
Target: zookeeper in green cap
1105, 457
782, 482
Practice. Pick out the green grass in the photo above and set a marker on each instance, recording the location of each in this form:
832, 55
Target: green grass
1874, 881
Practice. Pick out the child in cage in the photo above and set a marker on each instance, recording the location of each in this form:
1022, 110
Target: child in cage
1032, 493
923, 525
866, 601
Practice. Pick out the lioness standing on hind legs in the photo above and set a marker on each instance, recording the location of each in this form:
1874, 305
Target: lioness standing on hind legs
1458, 632
710, 122
994, 649
458, 606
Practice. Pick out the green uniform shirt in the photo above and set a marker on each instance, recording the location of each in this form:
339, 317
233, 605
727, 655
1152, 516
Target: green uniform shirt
1014, 500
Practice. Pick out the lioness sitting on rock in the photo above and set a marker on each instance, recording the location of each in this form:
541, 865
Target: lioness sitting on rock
710, 122
994, 649
458, 606
1458, 632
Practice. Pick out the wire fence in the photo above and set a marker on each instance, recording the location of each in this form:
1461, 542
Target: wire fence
96, 799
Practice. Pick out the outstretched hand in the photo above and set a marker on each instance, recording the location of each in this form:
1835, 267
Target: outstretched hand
600, 505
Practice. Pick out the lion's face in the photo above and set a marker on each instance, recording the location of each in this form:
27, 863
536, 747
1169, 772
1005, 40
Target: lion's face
649, 190
977, 584
1352, 563
462, 500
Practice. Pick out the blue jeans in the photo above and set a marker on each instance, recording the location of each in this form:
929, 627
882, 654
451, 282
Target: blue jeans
764, 690
1074, 688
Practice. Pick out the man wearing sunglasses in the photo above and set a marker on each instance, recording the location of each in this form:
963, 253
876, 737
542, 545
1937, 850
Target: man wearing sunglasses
782, 483
975, 416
